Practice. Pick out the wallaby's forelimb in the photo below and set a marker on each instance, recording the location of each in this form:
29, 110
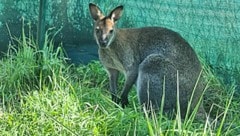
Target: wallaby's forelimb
130, 79
113, 77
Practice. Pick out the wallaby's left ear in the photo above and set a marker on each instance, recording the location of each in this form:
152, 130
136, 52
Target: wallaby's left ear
95, 11
116, 13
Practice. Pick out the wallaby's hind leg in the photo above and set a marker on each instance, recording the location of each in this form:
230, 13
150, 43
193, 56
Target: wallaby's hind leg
151, 85
157, 79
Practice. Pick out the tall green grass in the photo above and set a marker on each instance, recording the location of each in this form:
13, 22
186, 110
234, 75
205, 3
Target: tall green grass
43, 95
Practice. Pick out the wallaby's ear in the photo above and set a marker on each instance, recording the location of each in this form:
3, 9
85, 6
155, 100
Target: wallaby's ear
116, 13
95, 11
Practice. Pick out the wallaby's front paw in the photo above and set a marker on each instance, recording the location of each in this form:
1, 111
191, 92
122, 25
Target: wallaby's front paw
124, 102
116, 99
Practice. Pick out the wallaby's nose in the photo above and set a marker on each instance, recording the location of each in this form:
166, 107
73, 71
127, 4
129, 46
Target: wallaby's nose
103, 42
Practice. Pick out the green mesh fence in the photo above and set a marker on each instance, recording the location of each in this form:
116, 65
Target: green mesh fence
211, 27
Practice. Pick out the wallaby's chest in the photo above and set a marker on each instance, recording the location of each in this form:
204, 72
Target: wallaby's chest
117, 59
111, 60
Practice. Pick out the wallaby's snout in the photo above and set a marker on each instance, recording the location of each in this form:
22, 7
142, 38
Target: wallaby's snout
104, 27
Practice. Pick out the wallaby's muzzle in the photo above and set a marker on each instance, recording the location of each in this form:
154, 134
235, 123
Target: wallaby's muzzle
103, 43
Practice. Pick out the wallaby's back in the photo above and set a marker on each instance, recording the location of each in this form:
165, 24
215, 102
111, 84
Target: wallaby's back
138, 43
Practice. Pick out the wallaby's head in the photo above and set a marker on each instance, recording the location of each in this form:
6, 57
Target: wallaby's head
104, 28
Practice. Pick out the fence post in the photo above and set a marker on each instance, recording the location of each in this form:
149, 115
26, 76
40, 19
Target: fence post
41, 23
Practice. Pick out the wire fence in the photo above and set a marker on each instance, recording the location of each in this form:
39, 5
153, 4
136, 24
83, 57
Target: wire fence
212, 27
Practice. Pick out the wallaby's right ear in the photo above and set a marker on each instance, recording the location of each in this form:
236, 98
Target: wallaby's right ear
95, 11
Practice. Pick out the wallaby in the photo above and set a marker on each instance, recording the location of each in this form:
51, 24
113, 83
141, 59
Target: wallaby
147, 56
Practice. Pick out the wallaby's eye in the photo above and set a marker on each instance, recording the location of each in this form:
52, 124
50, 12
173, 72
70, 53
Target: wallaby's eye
97, 29
111, 31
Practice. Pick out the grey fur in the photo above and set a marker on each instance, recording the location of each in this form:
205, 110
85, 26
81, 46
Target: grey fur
145, 56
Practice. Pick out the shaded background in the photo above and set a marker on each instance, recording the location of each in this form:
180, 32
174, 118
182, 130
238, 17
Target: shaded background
211, 27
